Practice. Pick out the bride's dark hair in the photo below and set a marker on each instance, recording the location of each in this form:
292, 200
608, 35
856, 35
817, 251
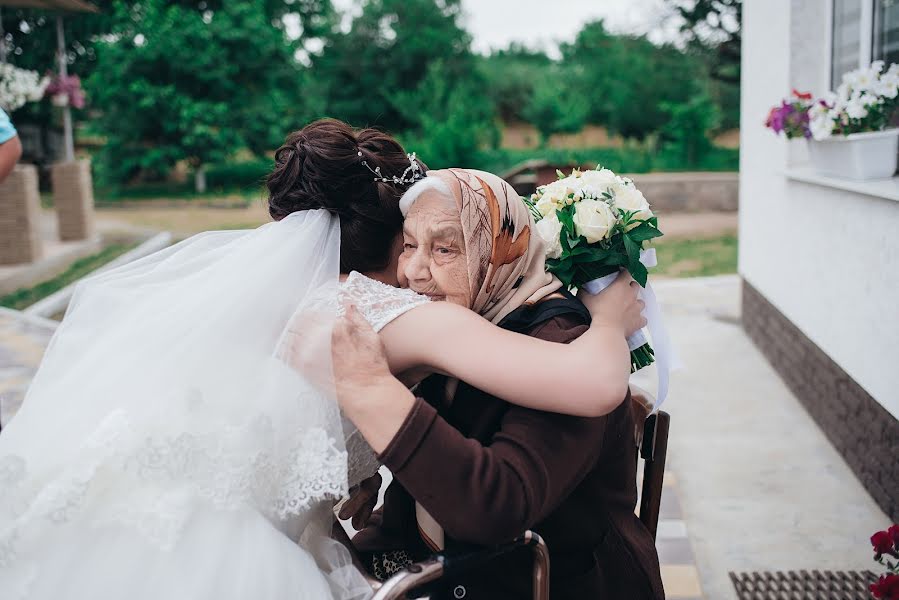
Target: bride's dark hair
319, 166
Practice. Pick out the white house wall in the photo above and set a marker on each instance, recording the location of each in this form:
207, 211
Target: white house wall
827, 259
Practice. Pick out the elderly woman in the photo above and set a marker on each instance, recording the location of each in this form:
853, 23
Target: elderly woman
470, 468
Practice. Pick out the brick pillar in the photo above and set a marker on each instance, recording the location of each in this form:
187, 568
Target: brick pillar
73, 196
20, 214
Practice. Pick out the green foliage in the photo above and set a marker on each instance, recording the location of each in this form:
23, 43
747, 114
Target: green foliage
514, 75
686, 133
555, 108
452, 123
238, 89
713, 32
628, 79
631, 158
387, 52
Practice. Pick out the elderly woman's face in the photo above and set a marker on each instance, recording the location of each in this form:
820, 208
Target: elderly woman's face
433, 261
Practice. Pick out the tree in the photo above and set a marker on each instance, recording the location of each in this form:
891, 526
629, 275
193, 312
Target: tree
714, 26
556, 107
386, 52
172, 83
628, 79
686, 132
712, 29
514, 75
452, 121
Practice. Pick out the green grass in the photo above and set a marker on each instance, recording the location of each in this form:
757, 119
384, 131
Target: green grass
25, 297
697, 257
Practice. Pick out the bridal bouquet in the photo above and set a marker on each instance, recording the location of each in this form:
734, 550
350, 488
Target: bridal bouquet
595, 223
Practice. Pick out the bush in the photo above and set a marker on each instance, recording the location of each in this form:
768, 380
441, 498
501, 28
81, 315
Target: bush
242, 175
631, 158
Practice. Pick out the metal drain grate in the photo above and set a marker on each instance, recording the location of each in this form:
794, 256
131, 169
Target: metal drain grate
804, 585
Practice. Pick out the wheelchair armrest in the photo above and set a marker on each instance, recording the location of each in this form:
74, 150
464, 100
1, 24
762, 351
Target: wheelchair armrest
453, 564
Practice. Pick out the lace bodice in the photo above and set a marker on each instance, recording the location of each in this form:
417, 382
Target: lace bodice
379, 304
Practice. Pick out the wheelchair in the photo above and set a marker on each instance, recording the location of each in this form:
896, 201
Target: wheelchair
652, 448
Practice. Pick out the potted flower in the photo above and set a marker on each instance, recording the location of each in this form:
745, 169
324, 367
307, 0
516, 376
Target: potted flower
886, 551
849, 131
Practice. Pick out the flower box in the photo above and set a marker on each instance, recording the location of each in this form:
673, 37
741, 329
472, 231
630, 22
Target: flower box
859, 156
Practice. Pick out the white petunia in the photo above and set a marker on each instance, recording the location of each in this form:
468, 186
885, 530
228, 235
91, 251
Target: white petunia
820, 121
855, 109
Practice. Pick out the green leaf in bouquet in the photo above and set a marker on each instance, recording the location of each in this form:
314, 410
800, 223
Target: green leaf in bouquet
592, 271
638, 271
566, 218
644, 231
564, 270
560, 174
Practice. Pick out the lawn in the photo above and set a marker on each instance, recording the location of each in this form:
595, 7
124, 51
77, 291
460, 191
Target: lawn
25, 297
697, 257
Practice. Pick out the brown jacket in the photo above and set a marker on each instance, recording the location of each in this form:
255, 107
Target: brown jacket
488, 470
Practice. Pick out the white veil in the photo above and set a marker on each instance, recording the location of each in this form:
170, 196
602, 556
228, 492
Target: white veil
161, 397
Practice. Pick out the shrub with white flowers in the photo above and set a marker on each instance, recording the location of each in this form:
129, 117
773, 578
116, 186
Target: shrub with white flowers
18, 86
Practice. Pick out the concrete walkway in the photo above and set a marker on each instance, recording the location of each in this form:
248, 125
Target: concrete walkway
23, 340
760, 486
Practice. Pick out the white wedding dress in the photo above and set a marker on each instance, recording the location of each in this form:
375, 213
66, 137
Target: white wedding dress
165, 451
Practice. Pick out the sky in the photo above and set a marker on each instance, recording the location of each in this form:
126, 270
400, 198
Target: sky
544, 23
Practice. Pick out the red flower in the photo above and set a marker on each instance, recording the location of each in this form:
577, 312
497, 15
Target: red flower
882, 542
887, 587
894, 533
802, 95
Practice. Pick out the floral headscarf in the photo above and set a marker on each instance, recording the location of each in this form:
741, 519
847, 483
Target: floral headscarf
505, 261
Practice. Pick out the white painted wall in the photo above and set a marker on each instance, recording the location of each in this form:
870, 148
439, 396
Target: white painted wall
827, 259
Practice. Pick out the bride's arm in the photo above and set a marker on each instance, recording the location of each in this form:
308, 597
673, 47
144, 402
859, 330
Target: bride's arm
587, 377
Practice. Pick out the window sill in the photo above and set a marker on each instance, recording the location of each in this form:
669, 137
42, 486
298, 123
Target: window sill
879, 188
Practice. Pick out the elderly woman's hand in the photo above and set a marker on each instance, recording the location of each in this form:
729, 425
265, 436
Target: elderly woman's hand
369, 395
618, 305
357, 353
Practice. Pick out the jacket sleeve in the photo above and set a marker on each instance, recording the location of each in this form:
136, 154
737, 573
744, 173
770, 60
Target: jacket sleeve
489, 494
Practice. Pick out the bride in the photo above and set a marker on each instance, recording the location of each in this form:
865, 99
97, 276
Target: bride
166, 449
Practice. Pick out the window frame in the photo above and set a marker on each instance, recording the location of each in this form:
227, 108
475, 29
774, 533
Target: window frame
865, 38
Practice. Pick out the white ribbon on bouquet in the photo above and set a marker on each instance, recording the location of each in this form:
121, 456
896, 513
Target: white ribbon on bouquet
661, 342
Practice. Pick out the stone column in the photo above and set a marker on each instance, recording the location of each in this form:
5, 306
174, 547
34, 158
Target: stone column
20, 214
73, 197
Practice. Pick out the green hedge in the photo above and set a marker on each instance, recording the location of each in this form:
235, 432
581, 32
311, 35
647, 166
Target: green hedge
248, 178
629, 159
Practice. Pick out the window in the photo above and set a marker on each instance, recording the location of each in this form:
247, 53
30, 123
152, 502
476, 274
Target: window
846, 40
862, 31
886, 31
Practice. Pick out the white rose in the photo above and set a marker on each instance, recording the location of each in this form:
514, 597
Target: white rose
600, 179
632, 200
594, 183
547, 205
550, 229
594, 220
